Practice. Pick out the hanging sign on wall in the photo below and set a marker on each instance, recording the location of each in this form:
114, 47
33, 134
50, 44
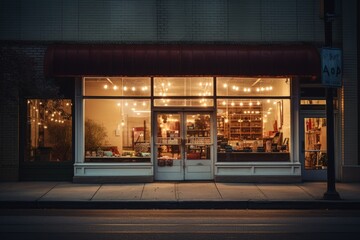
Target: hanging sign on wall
331, 67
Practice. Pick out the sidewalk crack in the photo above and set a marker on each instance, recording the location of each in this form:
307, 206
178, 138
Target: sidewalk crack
57, 183
266, 197
95, 192
218, 190
142, 191
308, 193
176, 191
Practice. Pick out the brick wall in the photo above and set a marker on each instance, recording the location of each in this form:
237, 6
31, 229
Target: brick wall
9, 117
164, 21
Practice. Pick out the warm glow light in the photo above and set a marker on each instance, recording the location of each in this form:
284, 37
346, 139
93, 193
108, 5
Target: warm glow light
106, 86
115, 87
133, 89
125, 88
225, 85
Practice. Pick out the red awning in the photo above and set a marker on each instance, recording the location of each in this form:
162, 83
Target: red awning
182, 60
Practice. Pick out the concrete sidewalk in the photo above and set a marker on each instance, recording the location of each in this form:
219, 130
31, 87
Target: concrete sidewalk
177, 195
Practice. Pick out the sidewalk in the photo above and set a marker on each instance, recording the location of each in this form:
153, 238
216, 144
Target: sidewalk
176, 195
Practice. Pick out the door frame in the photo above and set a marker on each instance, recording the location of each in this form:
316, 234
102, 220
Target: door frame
183, 175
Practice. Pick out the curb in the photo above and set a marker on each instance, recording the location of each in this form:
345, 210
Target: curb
317, 204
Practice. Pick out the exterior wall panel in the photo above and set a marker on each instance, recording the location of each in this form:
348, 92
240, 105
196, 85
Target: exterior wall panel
244, 19
350, 85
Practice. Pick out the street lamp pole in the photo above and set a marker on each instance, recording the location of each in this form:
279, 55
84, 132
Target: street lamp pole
331, 193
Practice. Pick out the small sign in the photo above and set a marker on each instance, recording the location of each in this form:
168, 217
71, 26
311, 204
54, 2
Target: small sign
331, 67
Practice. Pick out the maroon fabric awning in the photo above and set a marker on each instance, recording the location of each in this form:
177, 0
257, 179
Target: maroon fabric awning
182, 60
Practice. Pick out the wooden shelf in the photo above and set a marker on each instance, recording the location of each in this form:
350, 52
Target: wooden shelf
244, 123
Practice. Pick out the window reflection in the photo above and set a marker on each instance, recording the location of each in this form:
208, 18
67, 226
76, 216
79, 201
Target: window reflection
48, 130
117, 130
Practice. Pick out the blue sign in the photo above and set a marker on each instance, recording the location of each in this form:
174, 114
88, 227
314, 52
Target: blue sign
331, 67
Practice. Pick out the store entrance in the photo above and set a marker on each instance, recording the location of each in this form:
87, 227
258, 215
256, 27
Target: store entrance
313, 154
183, 146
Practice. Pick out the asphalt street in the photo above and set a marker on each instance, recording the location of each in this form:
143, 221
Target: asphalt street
179, 224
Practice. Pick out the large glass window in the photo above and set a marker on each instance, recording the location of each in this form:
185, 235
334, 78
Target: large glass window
169, 90
235, 86
117, 130
253, 129
182, 86
117, 86
48, 130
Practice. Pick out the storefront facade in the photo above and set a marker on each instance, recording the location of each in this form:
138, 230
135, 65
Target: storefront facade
188, 112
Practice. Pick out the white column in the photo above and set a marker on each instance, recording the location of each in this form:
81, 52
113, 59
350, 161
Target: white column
79, 122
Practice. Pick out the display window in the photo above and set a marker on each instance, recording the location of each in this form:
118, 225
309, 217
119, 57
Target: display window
252, 124
253, 128
48, 130
117, 130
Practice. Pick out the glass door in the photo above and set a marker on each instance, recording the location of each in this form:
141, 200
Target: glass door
314, 148
183, 146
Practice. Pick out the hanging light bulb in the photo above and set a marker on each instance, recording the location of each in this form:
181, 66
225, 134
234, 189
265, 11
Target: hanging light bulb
106, 86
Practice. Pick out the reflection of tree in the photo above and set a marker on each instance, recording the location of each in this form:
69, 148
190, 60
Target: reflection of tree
95, 134
60, 136
201, 122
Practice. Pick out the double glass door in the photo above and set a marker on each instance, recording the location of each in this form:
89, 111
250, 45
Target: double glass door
183, 146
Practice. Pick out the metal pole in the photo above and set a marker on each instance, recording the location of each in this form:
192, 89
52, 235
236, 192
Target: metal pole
331, 193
